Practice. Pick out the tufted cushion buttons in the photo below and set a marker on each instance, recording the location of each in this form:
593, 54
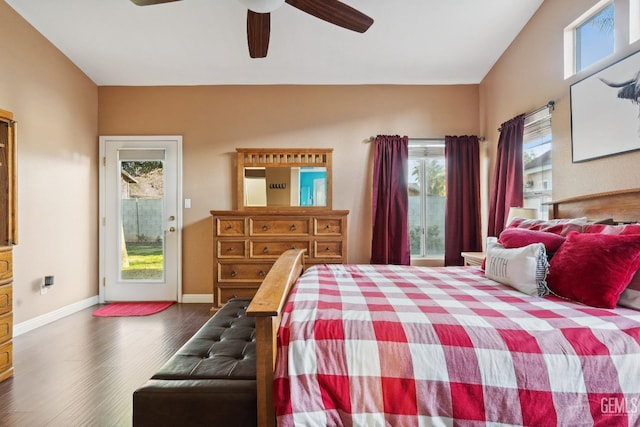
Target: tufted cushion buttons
223, 348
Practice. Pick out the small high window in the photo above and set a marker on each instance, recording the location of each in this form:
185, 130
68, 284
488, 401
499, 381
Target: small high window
591, 37
594, 38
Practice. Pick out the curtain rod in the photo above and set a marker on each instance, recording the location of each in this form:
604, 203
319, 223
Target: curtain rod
373, 138
551, 105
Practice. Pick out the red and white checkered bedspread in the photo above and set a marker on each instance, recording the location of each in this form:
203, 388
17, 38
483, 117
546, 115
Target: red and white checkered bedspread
373, 345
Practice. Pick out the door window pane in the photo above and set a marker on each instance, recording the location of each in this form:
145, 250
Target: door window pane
141, 218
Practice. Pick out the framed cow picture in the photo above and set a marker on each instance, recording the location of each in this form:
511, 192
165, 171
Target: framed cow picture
605, 111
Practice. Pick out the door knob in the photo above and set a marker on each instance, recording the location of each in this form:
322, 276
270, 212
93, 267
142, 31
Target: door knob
172, 229
172, 218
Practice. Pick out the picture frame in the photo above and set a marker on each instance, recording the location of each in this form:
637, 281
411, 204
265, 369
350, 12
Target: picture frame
605, 111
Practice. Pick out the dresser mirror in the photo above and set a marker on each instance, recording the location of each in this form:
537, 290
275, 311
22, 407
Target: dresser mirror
284, 178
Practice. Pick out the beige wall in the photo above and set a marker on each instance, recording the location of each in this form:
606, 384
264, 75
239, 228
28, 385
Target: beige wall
530, 73
214, 121
56, 107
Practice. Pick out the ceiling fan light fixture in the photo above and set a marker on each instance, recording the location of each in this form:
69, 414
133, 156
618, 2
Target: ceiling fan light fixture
262, 6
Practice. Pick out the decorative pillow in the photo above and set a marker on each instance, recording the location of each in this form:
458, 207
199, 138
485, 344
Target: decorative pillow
560, 226
623, 229
594, 269
630, 297
524, 269
519, 237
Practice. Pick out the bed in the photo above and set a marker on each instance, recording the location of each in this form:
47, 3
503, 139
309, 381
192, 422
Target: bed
388, 345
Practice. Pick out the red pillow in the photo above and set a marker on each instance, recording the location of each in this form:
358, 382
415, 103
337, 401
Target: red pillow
521, 237
594, 269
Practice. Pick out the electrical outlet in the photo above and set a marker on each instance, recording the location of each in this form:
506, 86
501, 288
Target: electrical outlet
43, 290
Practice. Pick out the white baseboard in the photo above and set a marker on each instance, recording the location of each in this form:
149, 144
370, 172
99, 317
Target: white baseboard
197, 298
36, 322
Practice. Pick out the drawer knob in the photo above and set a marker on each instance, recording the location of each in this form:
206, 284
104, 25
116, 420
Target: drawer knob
261, 273
293, 246
234, 273
229, 249
327, 226
265, 250
229, 227
327, 248
293, 227
266, 227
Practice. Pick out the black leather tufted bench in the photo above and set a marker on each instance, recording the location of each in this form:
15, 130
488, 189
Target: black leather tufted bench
210, 381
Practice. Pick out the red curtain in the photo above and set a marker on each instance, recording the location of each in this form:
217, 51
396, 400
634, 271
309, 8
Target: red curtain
462, 214
507, 175
390, 238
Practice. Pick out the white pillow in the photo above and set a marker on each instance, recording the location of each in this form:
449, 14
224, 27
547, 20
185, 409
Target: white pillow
524, 269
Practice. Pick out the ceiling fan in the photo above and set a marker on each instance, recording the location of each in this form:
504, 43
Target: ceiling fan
259, 18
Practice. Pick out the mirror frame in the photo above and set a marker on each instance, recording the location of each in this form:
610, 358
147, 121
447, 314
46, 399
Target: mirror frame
283, 157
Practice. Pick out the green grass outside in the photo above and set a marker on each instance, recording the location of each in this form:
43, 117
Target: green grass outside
145, 262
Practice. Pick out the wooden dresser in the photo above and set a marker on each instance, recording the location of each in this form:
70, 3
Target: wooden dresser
247, 243
8, 238
6, 315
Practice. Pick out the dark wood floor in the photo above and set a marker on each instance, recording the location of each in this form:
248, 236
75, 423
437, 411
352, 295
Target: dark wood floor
82, 370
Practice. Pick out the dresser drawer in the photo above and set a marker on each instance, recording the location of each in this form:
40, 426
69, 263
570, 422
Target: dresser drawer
5, 264
6, 298
253, 272
6, 327
328, 226
274, 248
279, 227
231, 248
225, 293
6, 358
327, 249
230, 226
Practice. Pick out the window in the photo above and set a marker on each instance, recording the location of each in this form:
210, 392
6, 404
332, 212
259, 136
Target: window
594, 38
610, 26
590, 38
537, 160
427, 197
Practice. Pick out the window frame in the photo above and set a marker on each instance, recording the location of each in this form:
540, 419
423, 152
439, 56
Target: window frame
415, 147
538, 126
570, 39
626, 32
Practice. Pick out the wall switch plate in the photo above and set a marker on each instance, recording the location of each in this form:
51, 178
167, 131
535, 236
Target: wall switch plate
187, 203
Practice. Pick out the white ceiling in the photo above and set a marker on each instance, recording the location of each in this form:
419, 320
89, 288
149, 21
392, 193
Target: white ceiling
203, 42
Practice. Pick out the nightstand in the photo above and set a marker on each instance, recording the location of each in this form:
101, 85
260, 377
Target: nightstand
473, 258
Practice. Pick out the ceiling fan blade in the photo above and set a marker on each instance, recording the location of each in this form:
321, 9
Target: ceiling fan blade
258, 31
150, 2
335, 12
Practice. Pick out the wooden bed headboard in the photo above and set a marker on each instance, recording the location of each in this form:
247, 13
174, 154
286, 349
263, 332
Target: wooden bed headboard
622, 206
